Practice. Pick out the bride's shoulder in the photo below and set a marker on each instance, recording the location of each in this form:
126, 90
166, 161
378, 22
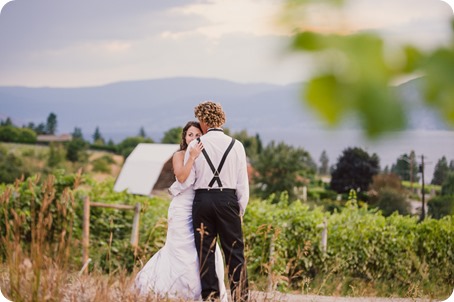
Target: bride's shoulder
178, 154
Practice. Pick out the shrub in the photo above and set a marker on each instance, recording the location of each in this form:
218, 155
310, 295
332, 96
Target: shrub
441, 206
389, 200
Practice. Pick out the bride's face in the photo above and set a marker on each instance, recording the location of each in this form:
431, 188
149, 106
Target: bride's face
192, 134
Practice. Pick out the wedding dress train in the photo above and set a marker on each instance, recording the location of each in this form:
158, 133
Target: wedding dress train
173, 272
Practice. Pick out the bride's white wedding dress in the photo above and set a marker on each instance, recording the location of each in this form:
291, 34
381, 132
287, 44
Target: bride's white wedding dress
173, 272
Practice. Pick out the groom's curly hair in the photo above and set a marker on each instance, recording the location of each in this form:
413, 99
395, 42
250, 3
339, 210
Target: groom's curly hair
210, 113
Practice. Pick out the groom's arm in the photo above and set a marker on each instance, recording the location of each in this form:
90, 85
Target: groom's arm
242, 186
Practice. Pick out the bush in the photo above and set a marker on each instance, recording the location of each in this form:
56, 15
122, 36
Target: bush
26, 136
102, 164
441, 206
76, 150
389, 200
9, 133
11, 167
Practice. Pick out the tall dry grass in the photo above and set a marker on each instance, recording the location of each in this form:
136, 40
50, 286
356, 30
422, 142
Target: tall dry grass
40, 254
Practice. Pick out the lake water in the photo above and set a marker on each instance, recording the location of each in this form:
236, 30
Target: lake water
432, 144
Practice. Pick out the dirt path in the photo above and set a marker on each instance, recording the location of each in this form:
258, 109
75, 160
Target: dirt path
275, 296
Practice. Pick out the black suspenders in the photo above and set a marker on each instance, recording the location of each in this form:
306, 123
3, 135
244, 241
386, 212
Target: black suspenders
221, 164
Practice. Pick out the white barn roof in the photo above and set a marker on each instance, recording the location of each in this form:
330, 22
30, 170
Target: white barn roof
142, 168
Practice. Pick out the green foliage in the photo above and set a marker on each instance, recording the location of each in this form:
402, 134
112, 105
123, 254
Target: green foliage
361, 86
282, 168
172, 136
76, 150
390, 200
441, 206
252, 144
406, 167
26, 136
440, 172
11, 167
102, 164
31, 201
142, 132
362, 244
98, 139
51, 124
126, 146
448, 186
57, 155
324, 163
387, 194
283, 240
354, 170
77, 133
355, 74
10, 133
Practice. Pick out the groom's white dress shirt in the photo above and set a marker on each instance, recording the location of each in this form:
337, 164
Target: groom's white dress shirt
233, 174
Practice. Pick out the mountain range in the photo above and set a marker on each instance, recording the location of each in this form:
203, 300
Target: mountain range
121, 109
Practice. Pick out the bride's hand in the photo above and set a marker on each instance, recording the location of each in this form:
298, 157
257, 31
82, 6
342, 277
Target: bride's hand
195, 152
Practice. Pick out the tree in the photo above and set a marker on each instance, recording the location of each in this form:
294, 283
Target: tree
387, 194
406, 167
51, 124
172, 136
76, 150
7, 122
252, 144
390, 201
354, 170
41, 129
363, 85
441, 206
447, 187
97, 137
440, 172
57, 154
324, 164
281, 168
142, 132
77, 133
126, 146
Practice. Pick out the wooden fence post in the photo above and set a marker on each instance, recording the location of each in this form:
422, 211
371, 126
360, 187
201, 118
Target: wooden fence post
324, 241
86, 233
135, 226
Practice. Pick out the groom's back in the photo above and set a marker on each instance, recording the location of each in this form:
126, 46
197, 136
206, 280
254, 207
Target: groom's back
215, 144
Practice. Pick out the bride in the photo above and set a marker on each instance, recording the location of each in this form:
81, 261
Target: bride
173, 272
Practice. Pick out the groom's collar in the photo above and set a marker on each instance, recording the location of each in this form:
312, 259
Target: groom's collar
215, 129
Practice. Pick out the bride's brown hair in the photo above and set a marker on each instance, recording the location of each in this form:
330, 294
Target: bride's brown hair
183, 144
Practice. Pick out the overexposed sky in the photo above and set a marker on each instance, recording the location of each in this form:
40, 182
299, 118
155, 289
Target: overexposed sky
87, 43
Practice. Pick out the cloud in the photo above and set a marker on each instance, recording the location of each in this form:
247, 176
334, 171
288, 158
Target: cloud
386, 17
233, 16
84, 42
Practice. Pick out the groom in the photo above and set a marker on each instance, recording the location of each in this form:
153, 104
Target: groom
221, 194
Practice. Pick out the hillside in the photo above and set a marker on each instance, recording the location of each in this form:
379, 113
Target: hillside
121, 109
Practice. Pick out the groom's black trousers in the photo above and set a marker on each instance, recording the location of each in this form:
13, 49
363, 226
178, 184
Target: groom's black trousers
214, 213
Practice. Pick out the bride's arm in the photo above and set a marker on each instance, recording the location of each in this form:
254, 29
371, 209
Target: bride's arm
182, 170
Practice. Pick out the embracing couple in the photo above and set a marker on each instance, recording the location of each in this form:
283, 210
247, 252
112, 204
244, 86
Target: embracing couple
209, 200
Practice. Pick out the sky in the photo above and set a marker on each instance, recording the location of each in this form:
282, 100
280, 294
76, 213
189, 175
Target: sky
70, 43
